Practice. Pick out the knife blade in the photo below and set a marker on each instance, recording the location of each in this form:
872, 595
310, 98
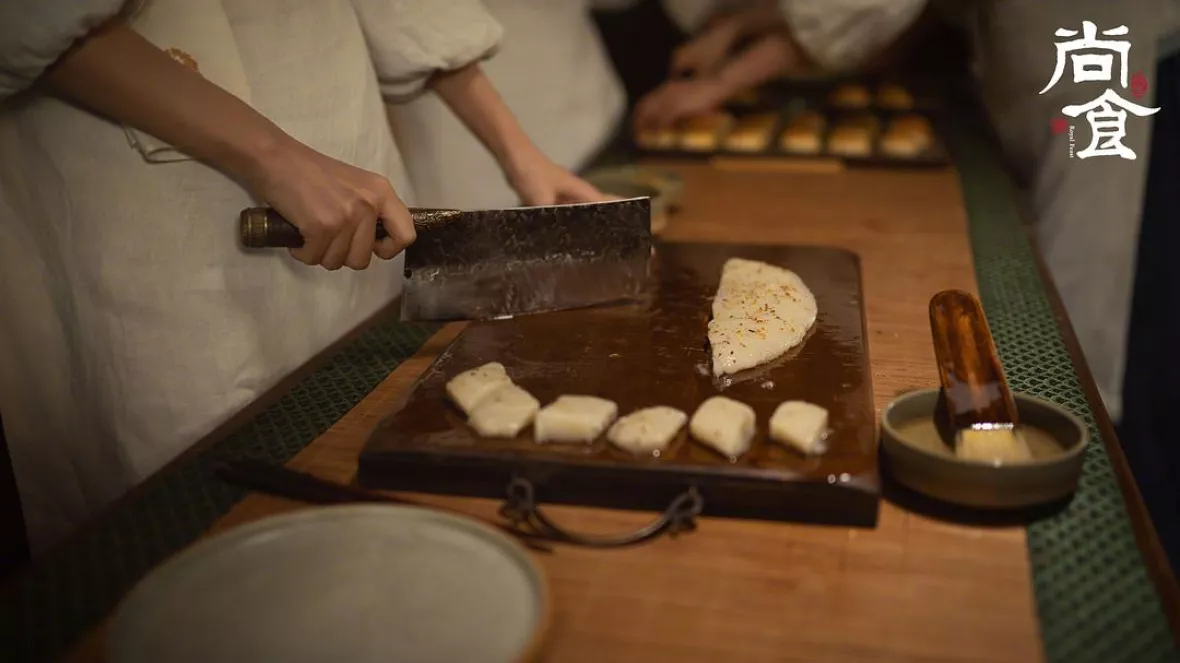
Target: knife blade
486, 264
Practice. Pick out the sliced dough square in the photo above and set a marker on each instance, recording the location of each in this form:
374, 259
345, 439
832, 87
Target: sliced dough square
468, 388
801, 425
504, 412
648, 430
725, 425
574, 419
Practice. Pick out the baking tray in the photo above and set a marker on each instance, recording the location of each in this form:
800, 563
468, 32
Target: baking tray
655, 353
787, 99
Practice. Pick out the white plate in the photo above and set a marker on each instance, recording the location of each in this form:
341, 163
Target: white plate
355, 583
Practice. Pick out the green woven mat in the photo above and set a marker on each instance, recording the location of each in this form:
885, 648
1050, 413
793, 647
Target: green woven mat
1095, 599
73, 588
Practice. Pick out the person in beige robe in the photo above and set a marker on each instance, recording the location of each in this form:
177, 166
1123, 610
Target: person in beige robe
131, 136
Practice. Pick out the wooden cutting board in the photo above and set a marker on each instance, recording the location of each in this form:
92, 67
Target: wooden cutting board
656, 353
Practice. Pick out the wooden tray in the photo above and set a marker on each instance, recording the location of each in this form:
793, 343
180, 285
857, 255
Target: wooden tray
655, 353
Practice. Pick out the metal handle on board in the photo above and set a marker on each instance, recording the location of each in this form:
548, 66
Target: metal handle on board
522, 510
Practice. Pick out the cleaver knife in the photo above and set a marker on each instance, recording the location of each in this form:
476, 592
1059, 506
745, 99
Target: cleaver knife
487, 264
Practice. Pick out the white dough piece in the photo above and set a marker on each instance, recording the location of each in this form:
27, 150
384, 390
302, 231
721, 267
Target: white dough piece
468, 388
760, 312
504, 412
801, 425
574, 419
724, 424
648, 430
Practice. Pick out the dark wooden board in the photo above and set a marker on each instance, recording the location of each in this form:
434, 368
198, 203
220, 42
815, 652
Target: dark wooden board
655, 353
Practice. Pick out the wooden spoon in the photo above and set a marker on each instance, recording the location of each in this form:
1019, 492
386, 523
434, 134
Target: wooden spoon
976, 413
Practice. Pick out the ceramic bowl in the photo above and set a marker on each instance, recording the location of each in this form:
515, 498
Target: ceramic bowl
978, 484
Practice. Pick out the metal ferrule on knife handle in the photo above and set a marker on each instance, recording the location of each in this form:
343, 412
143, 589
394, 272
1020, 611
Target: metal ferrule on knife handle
263, 227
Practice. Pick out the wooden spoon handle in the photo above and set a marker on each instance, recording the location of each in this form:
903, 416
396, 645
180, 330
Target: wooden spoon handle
973, 382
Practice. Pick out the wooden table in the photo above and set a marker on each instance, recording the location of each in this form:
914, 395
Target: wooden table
913, 589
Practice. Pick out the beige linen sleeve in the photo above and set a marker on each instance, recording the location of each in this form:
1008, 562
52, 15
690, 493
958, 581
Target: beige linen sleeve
34, 34
841, 34
410, 40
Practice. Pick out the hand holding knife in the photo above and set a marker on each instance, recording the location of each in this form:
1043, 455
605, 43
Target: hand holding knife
486, 264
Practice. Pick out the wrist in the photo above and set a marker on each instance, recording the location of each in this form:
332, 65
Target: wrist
517, 154
257, 156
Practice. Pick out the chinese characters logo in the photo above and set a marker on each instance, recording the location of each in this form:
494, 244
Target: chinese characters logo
1093, 60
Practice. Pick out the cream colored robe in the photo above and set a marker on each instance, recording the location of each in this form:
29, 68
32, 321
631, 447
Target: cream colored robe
133, 324
552, 71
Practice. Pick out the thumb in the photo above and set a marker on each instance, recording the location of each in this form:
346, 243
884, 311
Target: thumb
399, 227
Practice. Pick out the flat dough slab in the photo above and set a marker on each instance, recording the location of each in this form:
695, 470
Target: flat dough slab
800, 425
725, 425
574, 419
760, 312
504, 412
648, 430
470, 387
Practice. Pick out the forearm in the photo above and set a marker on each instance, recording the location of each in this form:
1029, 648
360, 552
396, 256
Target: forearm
473, 99
768, 58
117, 73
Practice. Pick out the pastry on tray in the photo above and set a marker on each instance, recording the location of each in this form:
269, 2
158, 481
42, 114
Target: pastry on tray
704, 133
850, 140
804, 134
907, 137
657, 139
894, 97
903, 144
752, 133
850, 96
913, 123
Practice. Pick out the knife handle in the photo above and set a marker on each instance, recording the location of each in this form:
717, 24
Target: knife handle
263, 227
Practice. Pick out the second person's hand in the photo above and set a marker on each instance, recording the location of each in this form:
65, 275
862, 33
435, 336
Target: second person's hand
540, 181
335, 206
677, 100
704, 54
